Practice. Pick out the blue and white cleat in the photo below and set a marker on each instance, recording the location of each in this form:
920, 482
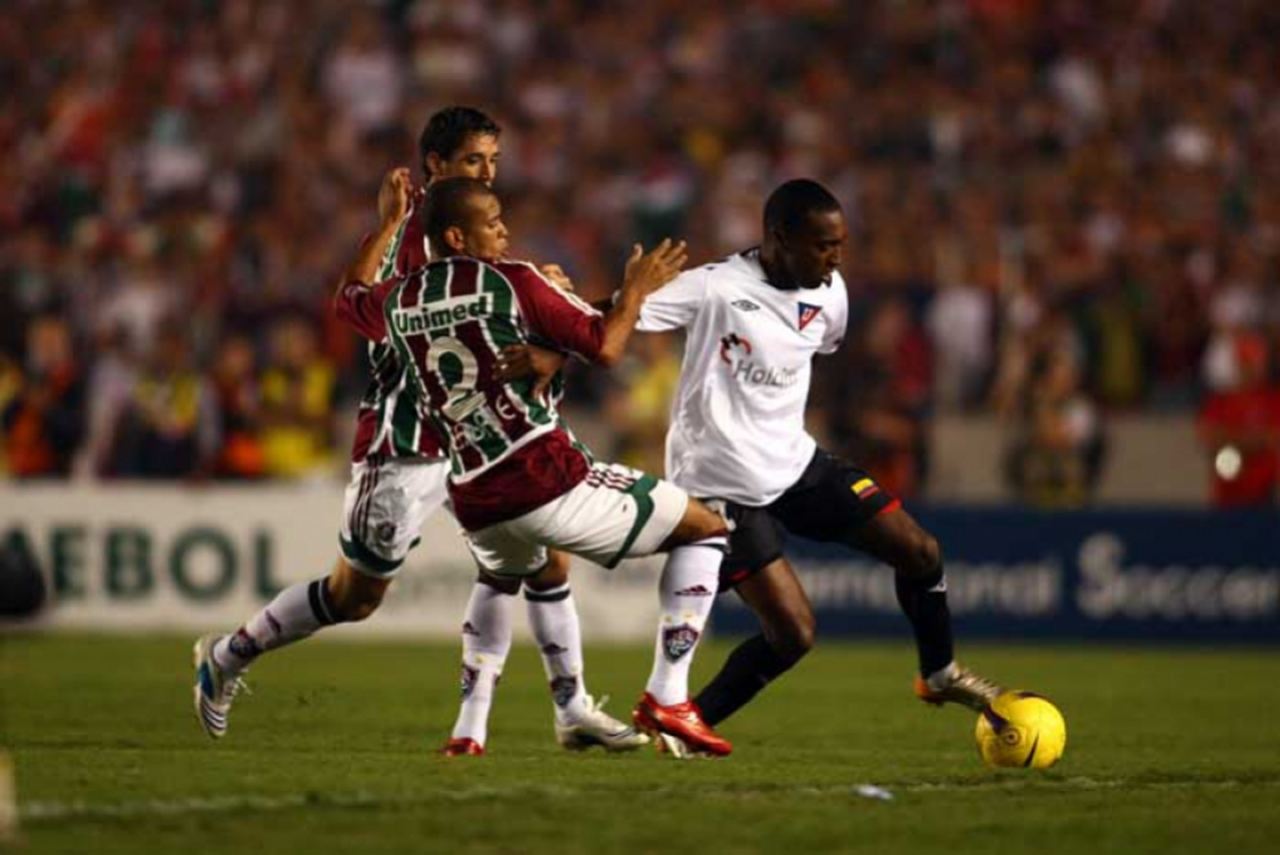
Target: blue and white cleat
214, 690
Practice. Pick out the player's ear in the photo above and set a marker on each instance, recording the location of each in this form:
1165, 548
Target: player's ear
433, 163
455, 238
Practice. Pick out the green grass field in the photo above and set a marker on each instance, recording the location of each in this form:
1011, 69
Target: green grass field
1169, 751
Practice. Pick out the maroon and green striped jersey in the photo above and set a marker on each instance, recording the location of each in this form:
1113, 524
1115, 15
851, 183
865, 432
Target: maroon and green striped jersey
448, 322
388, 420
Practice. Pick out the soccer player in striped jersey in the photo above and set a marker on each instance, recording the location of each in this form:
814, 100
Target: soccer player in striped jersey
753, 323
518, 481
398, 473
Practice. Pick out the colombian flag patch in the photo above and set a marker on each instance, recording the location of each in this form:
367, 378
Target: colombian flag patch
865, 489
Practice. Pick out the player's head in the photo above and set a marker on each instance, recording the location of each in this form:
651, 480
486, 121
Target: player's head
460, 141
804, 232
462, 216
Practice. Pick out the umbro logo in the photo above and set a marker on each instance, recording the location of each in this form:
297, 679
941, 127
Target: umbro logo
553, 649
695, 591
745, 305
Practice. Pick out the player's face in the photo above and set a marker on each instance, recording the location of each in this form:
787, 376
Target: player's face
477, 157
814, 252
485, 235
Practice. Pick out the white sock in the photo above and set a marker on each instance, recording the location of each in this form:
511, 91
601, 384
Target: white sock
295, 613
943, 677
553, 616
486, 640
686, 593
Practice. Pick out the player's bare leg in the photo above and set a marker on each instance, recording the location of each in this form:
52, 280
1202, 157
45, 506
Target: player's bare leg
345, 595
898, 540
686, 593
779, 601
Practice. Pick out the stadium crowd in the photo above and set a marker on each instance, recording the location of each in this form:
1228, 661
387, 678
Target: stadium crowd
1058, 209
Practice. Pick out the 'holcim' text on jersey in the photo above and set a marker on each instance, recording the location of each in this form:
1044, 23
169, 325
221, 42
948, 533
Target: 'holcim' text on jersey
749, 371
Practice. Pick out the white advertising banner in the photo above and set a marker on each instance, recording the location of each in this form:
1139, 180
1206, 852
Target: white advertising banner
140, 558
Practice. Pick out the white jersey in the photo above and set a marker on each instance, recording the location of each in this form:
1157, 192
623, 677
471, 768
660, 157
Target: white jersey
737, 424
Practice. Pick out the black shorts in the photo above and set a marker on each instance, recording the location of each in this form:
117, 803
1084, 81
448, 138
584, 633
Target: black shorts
829, 503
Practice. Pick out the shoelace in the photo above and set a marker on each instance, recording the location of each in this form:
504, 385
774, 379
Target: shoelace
976, 683
596, 708
233, 687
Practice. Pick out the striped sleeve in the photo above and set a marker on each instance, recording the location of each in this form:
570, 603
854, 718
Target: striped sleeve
555, 315
361, 307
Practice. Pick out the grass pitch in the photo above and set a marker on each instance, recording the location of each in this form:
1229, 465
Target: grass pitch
1168, 751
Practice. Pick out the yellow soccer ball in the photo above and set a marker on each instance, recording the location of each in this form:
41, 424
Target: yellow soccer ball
1021, 729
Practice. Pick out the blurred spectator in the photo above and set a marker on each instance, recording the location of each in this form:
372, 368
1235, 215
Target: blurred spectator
168, 427
638, 407
1239, 428
876, 398
1024, 175
1056, 458
43, 413
235, 385
297, 402
960, 324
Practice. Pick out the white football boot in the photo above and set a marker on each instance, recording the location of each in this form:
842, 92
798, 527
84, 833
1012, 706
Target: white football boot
597, 727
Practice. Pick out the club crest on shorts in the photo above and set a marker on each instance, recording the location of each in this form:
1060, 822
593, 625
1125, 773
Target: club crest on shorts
806, 313
385, 532
563, 689
678, 640
469, 677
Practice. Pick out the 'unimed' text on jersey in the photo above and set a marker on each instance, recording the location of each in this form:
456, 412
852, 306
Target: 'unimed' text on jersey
448, 322
737, 426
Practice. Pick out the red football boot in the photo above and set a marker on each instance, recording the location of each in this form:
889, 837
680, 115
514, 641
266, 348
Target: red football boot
464, 747
682, 721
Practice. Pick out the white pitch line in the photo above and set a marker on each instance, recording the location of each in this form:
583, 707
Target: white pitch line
46, 811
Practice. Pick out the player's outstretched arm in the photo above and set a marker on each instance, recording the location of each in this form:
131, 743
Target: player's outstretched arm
395, 199
357, 302
645, 273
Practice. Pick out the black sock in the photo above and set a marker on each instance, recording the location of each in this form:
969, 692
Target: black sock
751, 666
930, 620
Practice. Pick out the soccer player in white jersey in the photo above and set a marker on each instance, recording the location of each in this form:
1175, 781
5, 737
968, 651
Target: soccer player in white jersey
753, 323
398, 474
519, 482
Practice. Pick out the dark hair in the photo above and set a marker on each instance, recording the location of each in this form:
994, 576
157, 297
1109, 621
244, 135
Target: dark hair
446, 206
788, 207
449, 128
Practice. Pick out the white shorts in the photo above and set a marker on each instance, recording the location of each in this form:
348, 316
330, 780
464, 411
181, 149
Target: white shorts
384, 507
615, 513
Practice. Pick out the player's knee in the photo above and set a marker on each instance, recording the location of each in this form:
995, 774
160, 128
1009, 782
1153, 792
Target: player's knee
358, 602
502, 584
698, 523
554, 575
353, 595
793, 637
923, 557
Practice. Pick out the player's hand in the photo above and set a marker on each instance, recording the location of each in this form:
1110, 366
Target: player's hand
649, 271
395, 196
526, 360
558, 277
